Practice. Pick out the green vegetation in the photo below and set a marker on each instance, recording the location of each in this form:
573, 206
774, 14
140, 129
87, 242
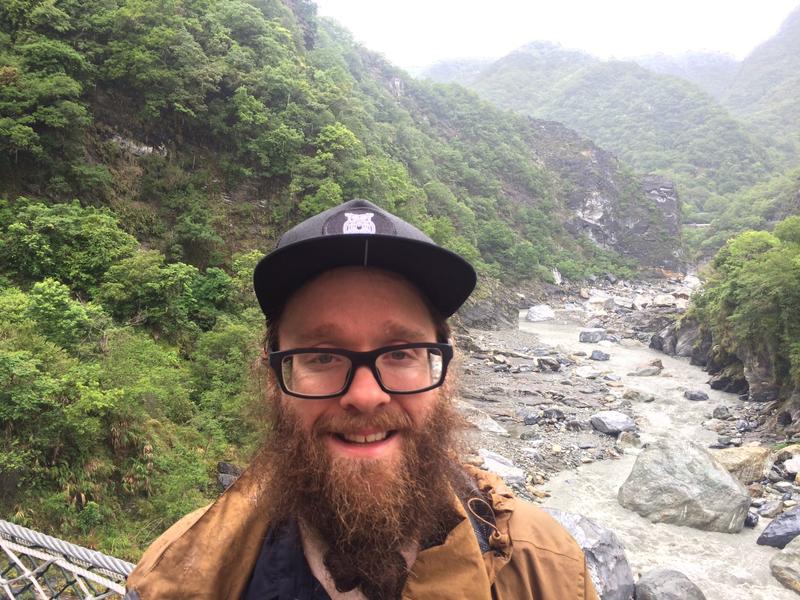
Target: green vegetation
725, 132
752, 299
764, 92
712, 72
150, 151
656, 123
121, 392
759, 207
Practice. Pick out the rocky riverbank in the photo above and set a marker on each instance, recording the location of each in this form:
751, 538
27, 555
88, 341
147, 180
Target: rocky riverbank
565, 421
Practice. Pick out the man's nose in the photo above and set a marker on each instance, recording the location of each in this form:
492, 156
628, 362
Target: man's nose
364, 394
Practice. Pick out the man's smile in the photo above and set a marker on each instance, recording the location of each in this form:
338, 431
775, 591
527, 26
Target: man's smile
366, 438
364, 444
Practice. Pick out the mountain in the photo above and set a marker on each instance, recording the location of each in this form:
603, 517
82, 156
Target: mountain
766, 89
455, 71
264, 114
712, 72
657, 123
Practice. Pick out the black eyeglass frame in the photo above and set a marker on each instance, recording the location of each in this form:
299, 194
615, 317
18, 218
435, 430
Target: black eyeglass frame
358, 359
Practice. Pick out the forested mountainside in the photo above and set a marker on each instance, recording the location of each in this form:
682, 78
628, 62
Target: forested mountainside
766, 89
231, 120
710, 71
656, 122
757, 208
151, 151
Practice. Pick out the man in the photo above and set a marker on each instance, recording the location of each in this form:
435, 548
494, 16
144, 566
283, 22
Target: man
358, 492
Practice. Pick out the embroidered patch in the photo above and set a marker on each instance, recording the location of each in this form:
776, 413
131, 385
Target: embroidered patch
357, 221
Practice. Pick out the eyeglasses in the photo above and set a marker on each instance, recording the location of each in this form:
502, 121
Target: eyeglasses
317, 373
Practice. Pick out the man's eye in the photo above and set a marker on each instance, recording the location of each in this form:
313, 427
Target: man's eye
399, 355
324, 359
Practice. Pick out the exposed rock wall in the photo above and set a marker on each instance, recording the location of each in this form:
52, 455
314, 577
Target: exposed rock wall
638, 217
744, 373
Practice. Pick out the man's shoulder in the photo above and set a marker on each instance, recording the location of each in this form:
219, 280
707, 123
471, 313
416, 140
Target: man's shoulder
524, 523
162, 542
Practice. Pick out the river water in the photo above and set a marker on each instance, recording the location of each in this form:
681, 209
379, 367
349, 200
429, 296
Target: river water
724, 566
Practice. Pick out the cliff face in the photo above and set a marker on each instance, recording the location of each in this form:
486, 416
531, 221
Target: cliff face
636, 216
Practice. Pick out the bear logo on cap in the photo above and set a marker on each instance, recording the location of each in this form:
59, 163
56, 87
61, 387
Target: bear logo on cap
359, 223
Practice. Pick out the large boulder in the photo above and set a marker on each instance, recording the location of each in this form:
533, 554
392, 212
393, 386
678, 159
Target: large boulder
681, 483
605, 556
540, 312
687, 339
612, 422
667, 584
785, 565
592, 336
747, 464
599, 304
665, 340
782, 530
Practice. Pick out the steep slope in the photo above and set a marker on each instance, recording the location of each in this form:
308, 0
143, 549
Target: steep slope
655, 122
712, 72
535, 69
756, 208
766, 89
660, 123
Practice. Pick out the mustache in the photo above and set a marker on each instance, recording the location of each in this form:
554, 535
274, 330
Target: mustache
344, 423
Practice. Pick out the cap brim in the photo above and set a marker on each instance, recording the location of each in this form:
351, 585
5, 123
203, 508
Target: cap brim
445, 278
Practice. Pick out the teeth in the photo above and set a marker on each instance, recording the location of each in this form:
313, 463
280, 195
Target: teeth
365, 439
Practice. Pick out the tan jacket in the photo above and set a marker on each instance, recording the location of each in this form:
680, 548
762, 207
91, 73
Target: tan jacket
211, 552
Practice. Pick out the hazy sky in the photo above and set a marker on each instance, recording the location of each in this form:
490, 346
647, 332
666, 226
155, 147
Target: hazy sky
415, 33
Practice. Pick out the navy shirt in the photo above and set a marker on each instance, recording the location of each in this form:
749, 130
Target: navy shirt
282, 571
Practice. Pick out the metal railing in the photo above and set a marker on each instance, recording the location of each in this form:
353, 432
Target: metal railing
37, 566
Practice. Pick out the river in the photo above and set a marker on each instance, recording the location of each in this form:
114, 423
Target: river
723, 566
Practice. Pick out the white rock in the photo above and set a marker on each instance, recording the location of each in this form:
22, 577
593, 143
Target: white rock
623, 302
540, 312
691, 281
641, 301
792, 465
612, 422
502, 466
664, 300
599, 304
587, 372
481, 419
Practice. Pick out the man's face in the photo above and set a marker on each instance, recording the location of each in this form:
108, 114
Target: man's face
373, 473
358, 309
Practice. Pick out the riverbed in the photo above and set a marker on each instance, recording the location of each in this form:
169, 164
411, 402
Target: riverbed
723, 566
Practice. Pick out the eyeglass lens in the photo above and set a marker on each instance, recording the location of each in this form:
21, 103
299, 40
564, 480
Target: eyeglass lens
325, 373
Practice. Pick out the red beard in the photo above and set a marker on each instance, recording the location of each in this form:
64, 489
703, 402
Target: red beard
366, 510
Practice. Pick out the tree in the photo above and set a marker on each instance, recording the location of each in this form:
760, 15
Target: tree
143, 290
62, 320
72, 244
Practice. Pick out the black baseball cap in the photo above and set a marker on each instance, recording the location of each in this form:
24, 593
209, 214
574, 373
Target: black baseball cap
359, 233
